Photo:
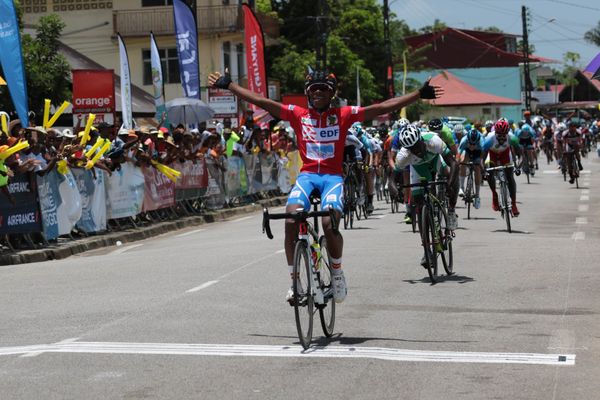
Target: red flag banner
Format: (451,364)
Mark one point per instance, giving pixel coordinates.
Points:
(255,56)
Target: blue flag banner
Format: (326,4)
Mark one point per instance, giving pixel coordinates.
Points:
(187,48)
(11,59)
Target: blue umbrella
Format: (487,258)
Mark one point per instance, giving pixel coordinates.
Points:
(188,111)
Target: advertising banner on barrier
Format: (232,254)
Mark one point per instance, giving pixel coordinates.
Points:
(193,175)
(93,200)
(235,177)
(215,195)
(159,191)
(49,202)
(125,192)
(94,92)
(23,216)
(69,210)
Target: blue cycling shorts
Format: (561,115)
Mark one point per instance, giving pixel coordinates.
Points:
(331,188)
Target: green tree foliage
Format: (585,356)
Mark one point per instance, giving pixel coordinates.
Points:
(571,60)
(436,27)
(491,29)
(593,35)
(355,39)
(46,71)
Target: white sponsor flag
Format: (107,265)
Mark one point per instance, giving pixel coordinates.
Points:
(357,87)
(126,112)
(157,78)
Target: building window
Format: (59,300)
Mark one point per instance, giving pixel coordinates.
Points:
(241,67)
(227,55)
(169,62)
(156,3)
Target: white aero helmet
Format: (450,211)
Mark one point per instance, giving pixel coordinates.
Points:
(409,135)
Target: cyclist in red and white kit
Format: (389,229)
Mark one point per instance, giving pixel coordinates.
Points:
(321,133)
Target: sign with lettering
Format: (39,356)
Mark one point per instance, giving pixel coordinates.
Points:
(19,212)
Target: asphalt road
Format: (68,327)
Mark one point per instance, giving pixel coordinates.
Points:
(200,313)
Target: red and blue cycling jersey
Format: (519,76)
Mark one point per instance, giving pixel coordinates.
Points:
(321,136)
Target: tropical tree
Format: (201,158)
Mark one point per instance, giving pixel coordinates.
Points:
(593,35)
(571,60)
(46,71)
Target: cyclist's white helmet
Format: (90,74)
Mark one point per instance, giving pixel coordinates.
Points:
(408,136)
(400,123)
(458,128)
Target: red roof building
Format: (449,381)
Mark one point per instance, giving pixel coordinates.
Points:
(462,48)
(458,92)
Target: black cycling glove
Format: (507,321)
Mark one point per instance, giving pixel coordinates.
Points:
(224,81)
(427,91)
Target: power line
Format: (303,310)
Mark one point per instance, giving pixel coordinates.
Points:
(574,4)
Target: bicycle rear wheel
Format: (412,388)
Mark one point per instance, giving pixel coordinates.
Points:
(445,235)
(428,238)
(303,299)
(327,310)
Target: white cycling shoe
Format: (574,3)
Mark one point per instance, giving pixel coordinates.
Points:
(339,286)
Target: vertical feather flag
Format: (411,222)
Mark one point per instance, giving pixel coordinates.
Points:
(187,48)
(11,59)
(126,109)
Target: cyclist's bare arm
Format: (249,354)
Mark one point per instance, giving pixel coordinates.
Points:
(396,103)
(392,159)
(272,107)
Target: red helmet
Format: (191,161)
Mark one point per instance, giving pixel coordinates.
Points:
(501,127)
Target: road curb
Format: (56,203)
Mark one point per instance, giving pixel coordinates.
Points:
(57,252)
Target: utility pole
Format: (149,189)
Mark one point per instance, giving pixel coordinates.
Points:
(527,78)
(322,35)
(389,82)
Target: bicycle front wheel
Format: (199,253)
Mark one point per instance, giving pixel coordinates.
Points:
(428,236)
(505,205)
(327,309)
(303,299)
(445,235)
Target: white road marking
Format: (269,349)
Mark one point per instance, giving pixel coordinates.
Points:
(550,171)
(190,232)
(583,207)
(585,171)
(37,353)
(585,191)
(581,220)
(584,198)
(578,236)
(203,286)
(232,350)
(280,251)
(124,249)
(242,219)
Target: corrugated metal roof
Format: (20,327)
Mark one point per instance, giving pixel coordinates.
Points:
(458,92)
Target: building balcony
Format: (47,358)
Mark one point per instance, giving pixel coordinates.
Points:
(211,19)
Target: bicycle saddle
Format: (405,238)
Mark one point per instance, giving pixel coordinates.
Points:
(315,197)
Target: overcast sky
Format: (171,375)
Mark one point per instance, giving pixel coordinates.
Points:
(551,39)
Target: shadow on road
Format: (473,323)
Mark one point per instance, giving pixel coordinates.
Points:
(480,219)
(441,279)
(513,231)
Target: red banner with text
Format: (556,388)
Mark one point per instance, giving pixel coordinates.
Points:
(93,92)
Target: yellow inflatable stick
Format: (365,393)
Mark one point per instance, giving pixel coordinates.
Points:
(169,172)
(100,153)
(15,149)
(88,127)
(46,113)
(61,167)
(95,147)
(4,118)
(57,114)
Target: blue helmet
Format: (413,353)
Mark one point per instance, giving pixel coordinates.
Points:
(474,136)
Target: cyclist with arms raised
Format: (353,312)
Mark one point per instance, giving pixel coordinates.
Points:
(321,132)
